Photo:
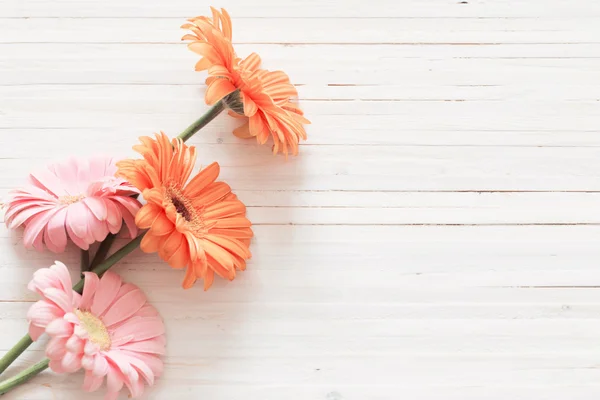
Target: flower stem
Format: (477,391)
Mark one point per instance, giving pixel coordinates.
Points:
(112,260)
(23,376)
(13,353)
(26,341)
(102,250)
(202,121)
(85,260)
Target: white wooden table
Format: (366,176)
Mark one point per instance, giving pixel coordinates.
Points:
(437,238)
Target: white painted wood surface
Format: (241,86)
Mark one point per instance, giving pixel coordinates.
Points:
(437,238)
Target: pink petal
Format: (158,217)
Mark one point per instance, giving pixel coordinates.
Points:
(56,348)
(49,244)
(153,361)
(59,328)
(79,242)
(87,362)
(68,178)
(131,205)
(100,366)
(141,328)
(13,207)
(36,227)
(126,288)
(72,318)
(98,229)
(92,383)
(97,207)
(49,181)
(90,348)
(76,300)
(38,242)
(56,229)
(56,366)
(105,294)
(89,289)
(152,346)
(143,369)
(147,311)
(71,362)
(75,344)
(77,219)
(135,386)
(114,218)
(114,379)
(28,213)
(124,307)
(63,275)
(119,361)
(42,313)
(60,298)
(129,221)
(98,168)
(36,331)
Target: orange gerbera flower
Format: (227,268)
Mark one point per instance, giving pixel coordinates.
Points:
(266,95)
(199,224)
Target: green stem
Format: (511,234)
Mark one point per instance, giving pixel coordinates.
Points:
(112,260)
(202,121)
(103,250)
(23,376)
(26,341)
(85,260)
(13,353)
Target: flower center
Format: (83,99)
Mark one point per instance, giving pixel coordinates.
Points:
(70,199)
(184,207)
(181,208)
(96,330)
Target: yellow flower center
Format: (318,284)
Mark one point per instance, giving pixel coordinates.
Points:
(70,199)
(96,330)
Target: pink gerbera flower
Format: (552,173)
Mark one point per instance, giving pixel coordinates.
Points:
(80,200)
(110,331)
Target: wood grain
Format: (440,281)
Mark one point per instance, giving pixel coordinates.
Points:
(437,237)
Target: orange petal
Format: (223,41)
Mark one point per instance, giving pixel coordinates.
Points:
(242,233)
(155,195)
(181,257)
(146,215)
(171,245)
(203,64)
(224,209)
(251,63)
(243,132)
(161,225)
(217,90)
(250,107)
(232,245)
(239,222)
(220,269)
(150,243)
(204,178)
(221,256)
(190,278)
(212,193)
(208,279)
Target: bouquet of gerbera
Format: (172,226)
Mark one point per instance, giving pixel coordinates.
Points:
(101,324)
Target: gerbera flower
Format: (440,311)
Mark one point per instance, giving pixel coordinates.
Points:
(79,200)
(110,331)
(265,94)
(198,224)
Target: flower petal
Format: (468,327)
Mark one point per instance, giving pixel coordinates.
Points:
(107,290)
(124,307)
